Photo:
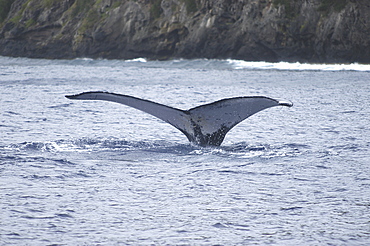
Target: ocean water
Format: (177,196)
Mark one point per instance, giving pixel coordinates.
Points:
(100,173)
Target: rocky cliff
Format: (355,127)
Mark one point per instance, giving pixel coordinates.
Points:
(270,30)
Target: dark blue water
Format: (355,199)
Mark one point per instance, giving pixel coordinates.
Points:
(99,173)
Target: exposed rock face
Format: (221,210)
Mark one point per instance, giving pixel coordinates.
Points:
(270,30)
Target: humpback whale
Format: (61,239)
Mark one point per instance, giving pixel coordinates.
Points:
(204,125)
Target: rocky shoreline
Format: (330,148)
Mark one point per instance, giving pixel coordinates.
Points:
(324,31)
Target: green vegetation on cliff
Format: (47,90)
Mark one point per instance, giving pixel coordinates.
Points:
(156,10)
(337,5)
(80,6)
(48,3)
(326,6)
(288,6)
(191,6)
(5,8)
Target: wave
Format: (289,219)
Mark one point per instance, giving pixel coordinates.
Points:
(137,60)
(241,150)
(240,64)
(187,64)
(89,145)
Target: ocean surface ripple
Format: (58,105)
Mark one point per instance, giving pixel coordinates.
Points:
(99,173)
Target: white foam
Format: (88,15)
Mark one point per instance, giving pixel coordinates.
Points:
(240,64)
(137,60)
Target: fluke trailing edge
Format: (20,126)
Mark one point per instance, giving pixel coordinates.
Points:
(205,125)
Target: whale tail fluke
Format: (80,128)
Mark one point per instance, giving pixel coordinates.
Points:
(205,125)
